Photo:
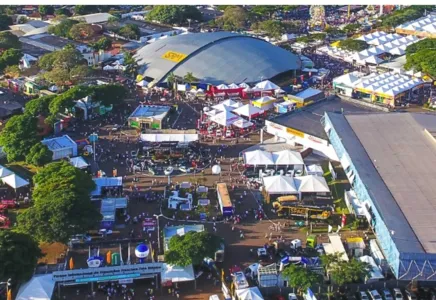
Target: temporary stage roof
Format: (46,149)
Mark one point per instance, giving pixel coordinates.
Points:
(252,293)
(79,162)
(266,85)
(279,185)
(38,288)
(258,157)
(15,181)
(177,274)
(248,110)
(312,184)
(161,137)
(287,157)
(225,118)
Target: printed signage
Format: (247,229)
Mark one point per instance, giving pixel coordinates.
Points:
(107,278)
(314,139)
(275,126)
(295,132)
(174,56)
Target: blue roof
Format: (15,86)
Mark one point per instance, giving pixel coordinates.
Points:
(146,111)
(59,143)
(216,57)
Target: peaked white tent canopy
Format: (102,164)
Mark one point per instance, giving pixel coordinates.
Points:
(252,293)
(79,162)
(222,87)
(228,102)
(248,111)
(38,288)
(142,83)
(266,85)
(279,185)
(312,184)
(244,85)
(225,118)
(241,123)
(233,86)
(258,157)
(222,107)
(15,181)
(287,157)
(5,172)
(177,274)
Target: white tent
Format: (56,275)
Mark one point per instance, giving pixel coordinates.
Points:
(314,170)
(177,274)
(222,87)
(79,162)
(15,181)
(258,157)
(142,83)
(266,85)
(287,157)
(375,272)
(241,123)
(228,102)
(108,68)
(252,293)
(248,111)
(5,172)
(312,184)
(181,138)
(373,60)
(279,185)
(225,118)
(38,288)
(244,85)
(222,107)
(233,86)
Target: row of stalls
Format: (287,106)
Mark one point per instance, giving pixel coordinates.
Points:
(387,88)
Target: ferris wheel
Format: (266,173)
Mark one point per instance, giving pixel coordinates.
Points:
(317,16)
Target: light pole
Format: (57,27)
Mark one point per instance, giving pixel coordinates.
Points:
(158,230)
(93,138)
(261,91)
(189,22)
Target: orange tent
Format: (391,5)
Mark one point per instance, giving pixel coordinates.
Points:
(9,295)
(71,263)
(109,257)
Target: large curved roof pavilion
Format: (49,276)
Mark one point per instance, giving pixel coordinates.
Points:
(215,57)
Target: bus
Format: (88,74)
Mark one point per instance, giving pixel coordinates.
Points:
(224,200)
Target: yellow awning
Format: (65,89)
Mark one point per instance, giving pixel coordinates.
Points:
(335,44)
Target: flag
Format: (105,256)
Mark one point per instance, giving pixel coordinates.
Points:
(344,220)
(330,229)
(222,275)
(9,295)
(109,257)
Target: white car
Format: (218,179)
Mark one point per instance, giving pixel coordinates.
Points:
(292,296)
(387,295)
(185,169)
(363,296)
(375,295)
(261,252)
(168,171)
(397,294)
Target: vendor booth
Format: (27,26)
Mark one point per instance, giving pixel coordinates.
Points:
(264,103)
(258,158)
(278,185)
(107,187)
(248,111)
(252,293)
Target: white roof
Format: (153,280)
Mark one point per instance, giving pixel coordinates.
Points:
(233,86)
(312,184)
(94,18)
(15,181)
(287,157)
(222,87)
(244,85)
(228,102)
(279,185)
(347,79)
(225,118)
(308,93)
(177,274)
(5,172)
(373,60)
(160,137)
(375,273)
(252,293)
(266,85)
(423,24)
(258,157)
(142,83)
(40,287)
(79,162)
(222,107)
(241,123)
(314,169)
(247,110)
(264,99)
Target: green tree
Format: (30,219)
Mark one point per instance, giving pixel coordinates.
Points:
(113,21)
(190,78)
(62,205)
(12,71)
(172,80)
(234,18)
(130,31)
(191,248)
(63,28)
(66,100)
(18,136)
(5,22)
(273,28)
(109,94)
(9,40)
(343,272)
(102,44)
(334,31)
(81,31)
(85,9)
(39,106)
(264,10)
(11,57)
(301,278)
(422,61)
(45,10)
(39,155)
(23,20)
(130,63)
(174,14)
(19,254)
(63,12)
(353,45)
(351,28)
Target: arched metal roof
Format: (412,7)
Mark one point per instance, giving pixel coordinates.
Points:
(216,57)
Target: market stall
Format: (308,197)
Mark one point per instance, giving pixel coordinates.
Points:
(264,103)
(258,158)
(248,111)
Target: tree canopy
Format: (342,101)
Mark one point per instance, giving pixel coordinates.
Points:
(18,136)
(273,28)
(103,43)
(109,94)
(234,18)
(401,16)
(421,57)
(39,155)
(301,278)
(39,106)
(9,40)
(174,14)
(81,31)
(5,22)
(130,31)
(45,10)
(63,28)
(343,272)
(353,45)
(62,205)
(85,9)
(312,38)
(191,248)
(19,254)
(10,57)
(62,12)
(351,28)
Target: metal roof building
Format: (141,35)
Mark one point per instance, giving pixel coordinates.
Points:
(389,159)
(215,57)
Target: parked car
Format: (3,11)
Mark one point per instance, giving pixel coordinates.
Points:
(374,295)
(363,295)
(410,295)
(386,294)
(80,238)
(185,169)
(292,296)
(168,170)
(397,294)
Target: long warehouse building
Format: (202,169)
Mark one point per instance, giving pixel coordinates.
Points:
(390,160)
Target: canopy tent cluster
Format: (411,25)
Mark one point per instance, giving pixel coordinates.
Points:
(295,185)
(425,24)
(10,178)
(265,158)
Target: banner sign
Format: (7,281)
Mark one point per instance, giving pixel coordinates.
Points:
(174,56)
(295,132)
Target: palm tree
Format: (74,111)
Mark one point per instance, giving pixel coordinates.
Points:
(172,80)
(190,78)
